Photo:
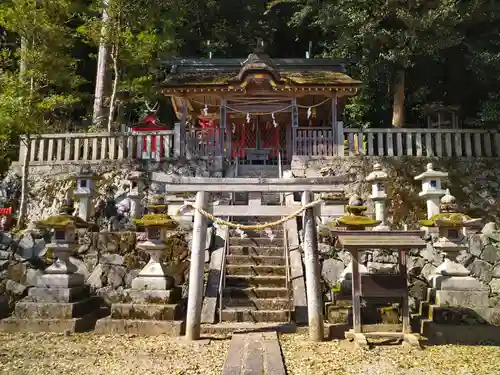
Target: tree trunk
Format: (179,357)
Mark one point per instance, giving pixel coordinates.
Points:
(22,62)
(23,206)
(114,57)
(102,60)
(398,105)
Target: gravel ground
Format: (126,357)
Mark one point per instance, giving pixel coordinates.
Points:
(303,357)
(90,354)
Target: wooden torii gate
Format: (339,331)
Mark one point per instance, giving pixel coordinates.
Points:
(255,187)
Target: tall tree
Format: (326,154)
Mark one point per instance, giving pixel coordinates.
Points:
(135,33)
(389,32)
(39,100)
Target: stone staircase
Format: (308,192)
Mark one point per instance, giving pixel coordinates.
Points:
(256,288)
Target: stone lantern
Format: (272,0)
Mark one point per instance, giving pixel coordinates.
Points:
(60,301)
(451,278)
(85,191)
(154,276)
(136,193)
(431,189)
(354,220)
(378,178)
(62,272)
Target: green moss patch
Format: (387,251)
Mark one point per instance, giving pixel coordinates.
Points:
(354,221)
(62,221)
(445,220)
(162,220)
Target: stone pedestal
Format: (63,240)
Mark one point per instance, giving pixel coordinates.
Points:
(152,306)
(59,303)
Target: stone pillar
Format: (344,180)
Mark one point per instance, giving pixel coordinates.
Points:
(196,271)
(313,283)
(378,178)
(85,191)
(136,193)
(431,189)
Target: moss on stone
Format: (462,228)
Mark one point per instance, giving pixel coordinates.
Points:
(354,221)
(445,220)
(159,220)
(62,221)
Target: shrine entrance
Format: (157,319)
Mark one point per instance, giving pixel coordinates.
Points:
(258,140)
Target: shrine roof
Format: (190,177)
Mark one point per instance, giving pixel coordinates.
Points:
(229,73)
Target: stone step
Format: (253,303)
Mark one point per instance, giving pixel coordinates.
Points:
(235,292)
(255,270)
(108,326)
(258,260)
(244,314)
(146,311)
(258,303)
(253,250)
(256,281)
(229,328)
(277,233)
(256,242)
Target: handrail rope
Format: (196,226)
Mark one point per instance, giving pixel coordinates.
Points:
(233,225)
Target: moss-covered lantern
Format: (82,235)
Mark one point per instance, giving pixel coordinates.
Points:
(355,218)
(450,224)
(156,222)
(63,243)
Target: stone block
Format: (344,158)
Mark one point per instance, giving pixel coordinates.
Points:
(338,315)
(53,310)
(153,296)
(460,334)
(60,280)
(80,324)
(58,294)
(463,298)
(458,283)
(144,311)
(139,327)
(152,283)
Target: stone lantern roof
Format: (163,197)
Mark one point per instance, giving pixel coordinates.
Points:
(64,218)
(431,173)
(378,174)
(449,215)
(355,218)
(158,217)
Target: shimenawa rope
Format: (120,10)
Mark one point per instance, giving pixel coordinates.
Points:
(230,224)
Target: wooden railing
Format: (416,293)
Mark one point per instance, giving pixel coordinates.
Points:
(311,141)
(397,142)
(95,147)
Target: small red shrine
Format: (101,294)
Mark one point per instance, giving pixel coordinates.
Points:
(153,146)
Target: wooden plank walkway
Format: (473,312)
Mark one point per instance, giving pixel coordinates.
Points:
(254,354)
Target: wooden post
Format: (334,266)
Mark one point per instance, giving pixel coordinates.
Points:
(196,270)
(313,284)
(334,117)
(185,151)
(177,141)
(295,125)
(356,292)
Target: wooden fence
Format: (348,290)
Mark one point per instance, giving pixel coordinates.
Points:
(310,141)
(397,142)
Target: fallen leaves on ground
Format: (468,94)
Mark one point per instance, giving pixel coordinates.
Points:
(91,354)
(303,357)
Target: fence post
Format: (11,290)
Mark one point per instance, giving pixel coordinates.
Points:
(177,140)
(196,270)
(23,147)
(313,284)
(339,138)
